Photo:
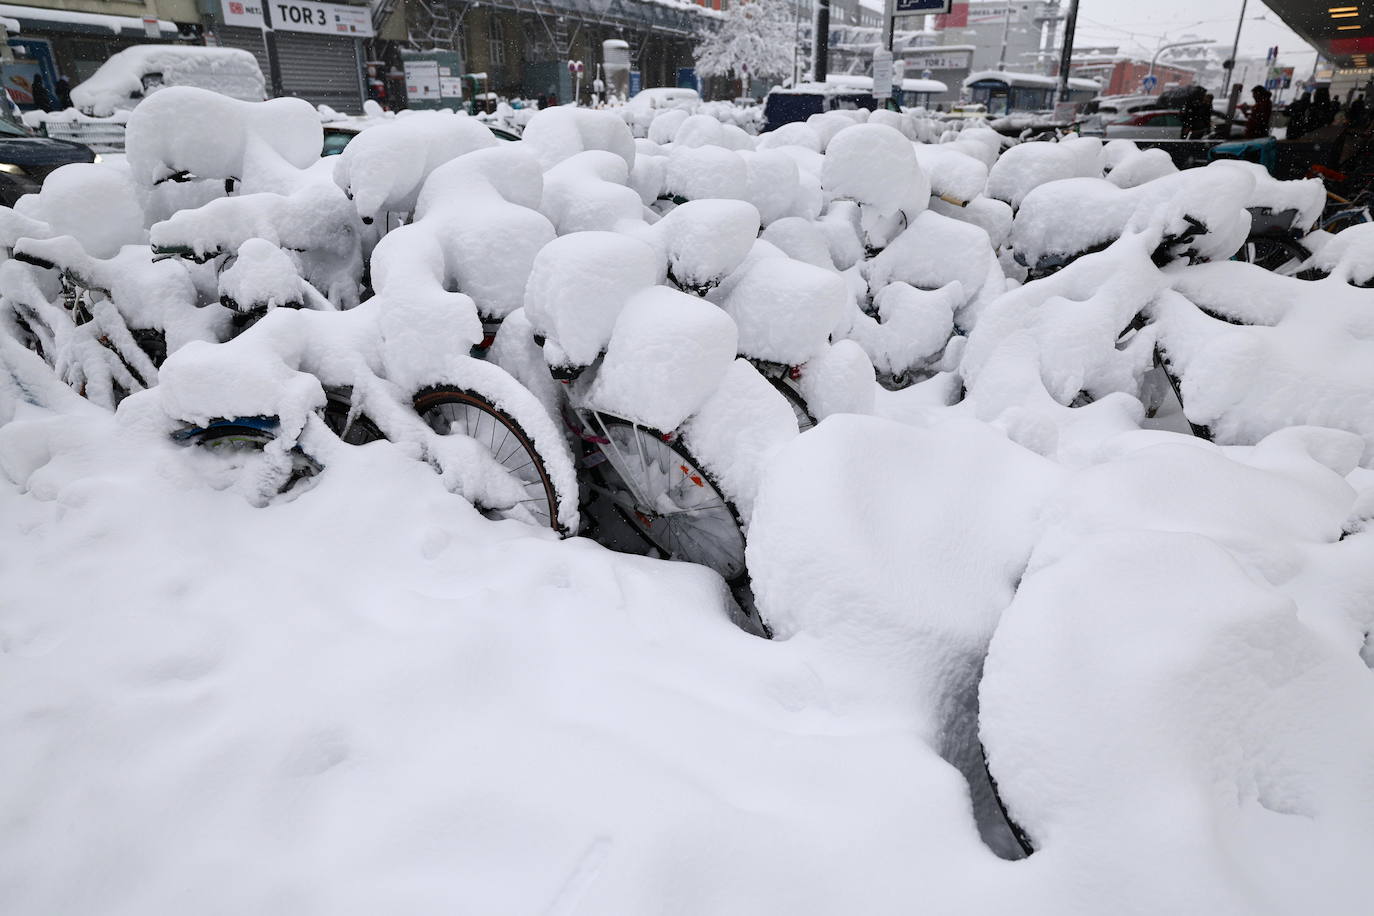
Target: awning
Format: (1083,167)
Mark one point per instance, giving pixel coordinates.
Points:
(39,19)
(1341,30)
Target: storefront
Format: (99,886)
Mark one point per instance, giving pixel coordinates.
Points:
(319,47)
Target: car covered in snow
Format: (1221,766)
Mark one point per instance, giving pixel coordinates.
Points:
(131,75)
(665,97)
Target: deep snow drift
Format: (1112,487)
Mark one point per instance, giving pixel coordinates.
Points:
(945,390)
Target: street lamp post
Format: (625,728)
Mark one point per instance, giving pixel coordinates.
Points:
(1176,44)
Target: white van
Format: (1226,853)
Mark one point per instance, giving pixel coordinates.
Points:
(130,75)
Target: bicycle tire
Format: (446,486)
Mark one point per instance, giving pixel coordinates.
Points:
(1277,255)
(704,526)
(442,407)
(360,431)
(250,438)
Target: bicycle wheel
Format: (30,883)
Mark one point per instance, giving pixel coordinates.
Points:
(337,410)
(232,442)
(448,410)
(1278,255)
(670,501)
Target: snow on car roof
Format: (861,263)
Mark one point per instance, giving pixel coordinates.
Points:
(1027,79)
(118,84)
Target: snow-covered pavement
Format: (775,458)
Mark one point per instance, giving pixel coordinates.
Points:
(943,389)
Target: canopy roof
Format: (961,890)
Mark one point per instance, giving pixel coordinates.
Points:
(1340,37)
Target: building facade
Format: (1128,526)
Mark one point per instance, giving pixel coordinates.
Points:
(523,46)
(320,46)
(1124,75)
(1018,35)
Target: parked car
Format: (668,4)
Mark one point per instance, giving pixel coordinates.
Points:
(130,75)
(1149,124)
(783,106)
(338,134)
(26,159)
(664,97)
(1100,112)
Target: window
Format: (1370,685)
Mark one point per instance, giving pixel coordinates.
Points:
(496,41)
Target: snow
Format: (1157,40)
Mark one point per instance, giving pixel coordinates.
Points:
(876,166)
(212,136)
(706,239)
(578,286)
(97,206)
(118,83)
(784,309)
(699,173)
(668,353)
(262,275)
(999,538)
(1300,358)
(480,210)
(554,134)
(380,167)
(1348,255)
(1023,168)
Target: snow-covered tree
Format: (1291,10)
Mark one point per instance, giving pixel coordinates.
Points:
(754,38)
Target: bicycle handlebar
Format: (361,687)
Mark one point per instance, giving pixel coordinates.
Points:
(34,259)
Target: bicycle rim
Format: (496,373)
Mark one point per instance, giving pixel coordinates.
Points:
(450,411)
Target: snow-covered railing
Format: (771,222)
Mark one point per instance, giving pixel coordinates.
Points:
(104,135)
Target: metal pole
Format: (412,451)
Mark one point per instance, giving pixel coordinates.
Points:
(1235,49)
(269,38)
(1066,52)
(820,61)
(1177,44)
(889,22)
(1006,27)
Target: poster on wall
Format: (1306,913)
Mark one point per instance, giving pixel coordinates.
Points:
(423,80)
(32,57)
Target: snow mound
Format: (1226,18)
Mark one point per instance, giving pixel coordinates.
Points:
(704,240)
(384,167)
(1023,168)
(1348,256)
(119,82)
(704,172)
(1200,687)
(97,206)
(578,286)
(785,310)
(182,129)
(668,353)
(876,166)
(554,134)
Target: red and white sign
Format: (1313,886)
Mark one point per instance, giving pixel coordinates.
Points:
(301,16)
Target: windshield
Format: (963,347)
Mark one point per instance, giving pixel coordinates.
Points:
(9,127)
(786,107)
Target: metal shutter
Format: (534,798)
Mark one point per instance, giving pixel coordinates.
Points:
(318,68)
(246,40)
(321,69)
